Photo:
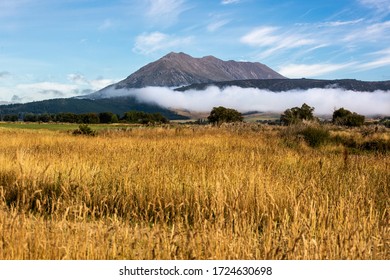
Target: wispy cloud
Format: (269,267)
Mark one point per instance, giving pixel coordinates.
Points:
(269,37)
(94,84)
(106,25)
(214,26)
(48,86)
(77,85)
(383,59)
(165,12)
(227,2)
(148,43)
(380,6)
(339,23)
(311,70)
(372,32)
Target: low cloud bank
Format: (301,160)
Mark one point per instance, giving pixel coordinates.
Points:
(325,101)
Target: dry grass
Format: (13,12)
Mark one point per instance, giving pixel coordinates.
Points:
(189,193)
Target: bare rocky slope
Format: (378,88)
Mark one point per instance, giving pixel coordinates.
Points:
(179,69)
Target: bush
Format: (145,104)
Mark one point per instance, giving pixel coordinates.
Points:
(385,121)
(296,115)
(221,115)
(315,136)
(84,129)
(376,145)
(347,118)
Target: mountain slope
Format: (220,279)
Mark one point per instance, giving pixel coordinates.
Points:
(178,69)
(117,105)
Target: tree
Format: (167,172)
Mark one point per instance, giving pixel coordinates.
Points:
(347,118)
(221,114)
(144,118)
(30,118)
(296,115)
(107,117)
(89,118)
(11,118)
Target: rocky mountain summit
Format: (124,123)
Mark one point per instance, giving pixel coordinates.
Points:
(180,69)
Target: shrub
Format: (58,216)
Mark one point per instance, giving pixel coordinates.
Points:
(219,115)
(385,121)
(376,145)
(84,129)
(315,136)
(347,118)
(296,115)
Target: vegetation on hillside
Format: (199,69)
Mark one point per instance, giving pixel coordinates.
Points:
(117,106)
(92,118)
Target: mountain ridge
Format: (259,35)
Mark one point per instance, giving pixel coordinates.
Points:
(180,69)
(280,85)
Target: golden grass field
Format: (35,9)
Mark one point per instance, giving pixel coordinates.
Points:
(189,193)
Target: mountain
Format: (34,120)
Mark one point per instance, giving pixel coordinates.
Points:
(278,85)
(179,69)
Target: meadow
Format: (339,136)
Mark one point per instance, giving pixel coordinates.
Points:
(192,192)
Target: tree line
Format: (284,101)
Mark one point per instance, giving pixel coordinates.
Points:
(290,116)
(218,115)
(89,118)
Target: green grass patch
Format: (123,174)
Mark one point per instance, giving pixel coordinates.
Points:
(59,126)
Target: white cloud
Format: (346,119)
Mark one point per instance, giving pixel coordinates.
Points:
(78,85)
(165,12)
(381,6)
(311,70)
(100,83)
(48,86)
(227,2)
(373,33)
(339,23)
(77,79)
(382,60)
(267,36)
(106,25)
(214,26)
(148,43)
(250,99)
(95,84)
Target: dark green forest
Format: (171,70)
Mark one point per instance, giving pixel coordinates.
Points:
(117,106)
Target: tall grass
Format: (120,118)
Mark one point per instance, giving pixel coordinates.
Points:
(189,193)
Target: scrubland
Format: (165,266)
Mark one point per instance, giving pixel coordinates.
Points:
(196,192)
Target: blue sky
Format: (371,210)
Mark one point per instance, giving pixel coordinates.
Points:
(63,48)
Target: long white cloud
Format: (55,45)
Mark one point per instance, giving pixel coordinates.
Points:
(250,99)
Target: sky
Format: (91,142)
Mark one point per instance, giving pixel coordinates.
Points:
(63,48)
